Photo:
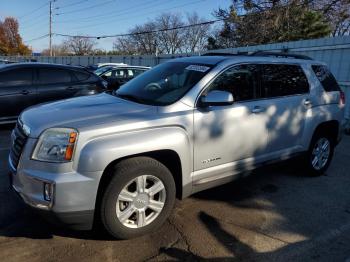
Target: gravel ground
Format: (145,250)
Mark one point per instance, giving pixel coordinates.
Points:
(276,214)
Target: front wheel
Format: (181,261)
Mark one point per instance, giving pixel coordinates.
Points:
(138,199)
(320,154)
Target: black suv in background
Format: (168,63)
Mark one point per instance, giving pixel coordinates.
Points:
(26,84)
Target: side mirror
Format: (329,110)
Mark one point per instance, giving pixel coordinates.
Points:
(216,98)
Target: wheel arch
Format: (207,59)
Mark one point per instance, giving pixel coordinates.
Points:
(167,157)
(330,127)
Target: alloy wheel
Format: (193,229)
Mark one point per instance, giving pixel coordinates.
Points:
(141,201)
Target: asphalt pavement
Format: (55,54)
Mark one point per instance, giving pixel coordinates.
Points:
(276,214)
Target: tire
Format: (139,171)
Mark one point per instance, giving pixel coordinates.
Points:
(314,167)
(139,198)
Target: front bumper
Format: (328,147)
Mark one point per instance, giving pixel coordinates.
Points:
(73,198)
(79,220)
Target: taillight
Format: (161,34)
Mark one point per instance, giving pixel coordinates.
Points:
(342,98)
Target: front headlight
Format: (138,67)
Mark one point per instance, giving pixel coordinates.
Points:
(56,145)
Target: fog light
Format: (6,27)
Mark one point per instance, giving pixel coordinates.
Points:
(48,191)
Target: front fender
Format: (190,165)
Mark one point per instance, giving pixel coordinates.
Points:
(98,153)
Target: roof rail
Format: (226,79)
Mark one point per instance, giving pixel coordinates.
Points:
(218,54)
(224,54)
(280,54)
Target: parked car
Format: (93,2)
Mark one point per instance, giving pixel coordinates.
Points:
(92,68)
(99,71)
(184,126)
(119,75)
(26,84)
(5,61)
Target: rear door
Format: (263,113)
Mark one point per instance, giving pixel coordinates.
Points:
(54,84)
(16,92)
(285,89)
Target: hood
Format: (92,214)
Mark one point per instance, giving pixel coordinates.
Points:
(82,112)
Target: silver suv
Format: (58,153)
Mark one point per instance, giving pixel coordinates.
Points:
(182,127)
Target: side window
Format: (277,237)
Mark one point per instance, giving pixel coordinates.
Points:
(240,80)
(326,78)
(108,74)
(119,73)
(135,72)
(16,77)
(131,72)
(283,80)
(54,76)
(81,76)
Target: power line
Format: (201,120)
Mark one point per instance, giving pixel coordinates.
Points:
(113,13)
(144,32)
(156,11)
(86,8)
(35,18)
(31,25)
(33,11)
(37,38)
(72,4)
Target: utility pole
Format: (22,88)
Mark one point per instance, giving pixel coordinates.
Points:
(50,29)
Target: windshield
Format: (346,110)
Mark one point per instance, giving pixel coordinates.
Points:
(164,84)
(102,70)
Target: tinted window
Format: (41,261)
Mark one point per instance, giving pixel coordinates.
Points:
(239,80)
(135,72)
(53,76)
(118,73)
(326,78)
(16,77)
(283,80)
(81,76)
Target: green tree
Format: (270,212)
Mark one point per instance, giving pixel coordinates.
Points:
(249,22)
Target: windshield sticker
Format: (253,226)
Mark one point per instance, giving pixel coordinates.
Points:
(198,68)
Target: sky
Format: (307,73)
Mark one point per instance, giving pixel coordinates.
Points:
(95,17)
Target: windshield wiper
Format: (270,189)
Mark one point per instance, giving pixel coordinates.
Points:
(130,97)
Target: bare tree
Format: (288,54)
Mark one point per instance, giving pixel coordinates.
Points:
(195,38)
(170,40)
(146,43)
(57,50)
(79,45)
(165,35)
(337,13)
(125,46)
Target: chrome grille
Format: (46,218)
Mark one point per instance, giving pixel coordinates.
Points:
(19,139)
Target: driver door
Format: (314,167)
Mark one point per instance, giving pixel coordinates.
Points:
(231,138)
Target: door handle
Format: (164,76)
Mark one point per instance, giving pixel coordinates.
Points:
(307,102)
(258,109)
(25,92)
(70,88)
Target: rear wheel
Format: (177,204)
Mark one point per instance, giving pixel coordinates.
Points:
(320,153)
(138,199)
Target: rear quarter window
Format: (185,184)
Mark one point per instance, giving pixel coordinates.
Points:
(328,81)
